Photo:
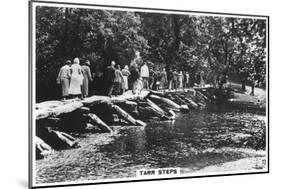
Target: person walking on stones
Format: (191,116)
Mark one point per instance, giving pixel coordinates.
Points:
(144,73)
(157,79)
(126,73)
(202,80)
(224,80)
(218,81)
(175,79)
(170,78)
(87,77)
(186,79)
(76,78)
(138,86)
(164,79)
(63,79)
(180,79)
(134,76)
(110,77)
(151,77)
(118,81)
(98,87)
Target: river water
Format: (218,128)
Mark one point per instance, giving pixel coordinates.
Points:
(193,141)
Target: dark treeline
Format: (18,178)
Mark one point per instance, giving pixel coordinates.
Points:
(193,43)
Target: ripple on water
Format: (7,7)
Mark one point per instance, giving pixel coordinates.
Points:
(193,141)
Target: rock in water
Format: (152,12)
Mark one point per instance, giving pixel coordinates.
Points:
(42,148)
(184,108)
(57,140)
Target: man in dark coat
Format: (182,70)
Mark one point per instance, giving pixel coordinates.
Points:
(110,76)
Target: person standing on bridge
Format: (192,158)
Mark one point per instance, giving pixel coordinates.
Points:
(110,77)
(76,78)
(180,80)
(126,73)
(118,81)
(186,79)
(175,79)
(170,78)
(144,73)
(87,76)
(134,76)
(63,79)
(202,79)
(164,79)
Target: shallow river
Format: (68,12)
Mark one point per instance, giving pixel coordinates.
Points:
(193,141)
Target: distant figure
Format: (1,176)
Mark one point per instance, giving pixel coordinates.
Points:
(126,73)
(134,75)
(224,80)
(253,84)
(110,77)
(76,78)
(186,79)
(175,79)
(157,78)
(151,78)
(87,76)
(98,85)
(164,79)
(118,81)
(170,79)
(138,86)
(144,73)
(180,80)
(63,79)
(202,81)
(218,81)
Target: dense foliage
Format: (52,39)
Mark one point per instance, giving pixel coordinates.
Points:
(194,43)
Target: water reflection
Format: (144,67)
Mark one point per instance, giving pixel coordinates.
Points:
(192,141)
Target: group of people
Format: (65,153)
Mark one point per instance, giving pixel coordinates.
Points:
(178,79)
(76,79)
(221,81)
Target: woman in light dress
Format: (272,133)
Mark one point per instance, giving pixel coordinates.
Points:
(126,73)
(76,78)
(202,79)
(63,79)
(180,77)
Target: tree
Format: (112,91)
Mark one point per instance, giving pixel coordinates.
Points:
(250,60)
(212,44)
(97,35)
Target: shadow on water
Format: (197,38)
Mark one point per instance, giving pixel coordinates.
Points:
(214,135)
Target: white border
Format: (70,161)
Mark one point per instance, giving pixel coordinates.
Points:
(149,10)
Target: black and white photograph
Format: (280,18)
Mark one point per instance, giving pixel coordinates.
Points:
(121,94)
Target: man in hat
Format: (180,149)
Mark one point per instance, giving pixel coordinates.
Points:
(86,78)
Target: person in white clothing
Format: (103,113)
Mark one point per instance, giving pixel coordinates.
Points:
(76,78)
(144,73)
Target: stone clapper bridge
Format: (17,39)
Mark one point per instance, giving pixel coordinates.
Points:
(55,119)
